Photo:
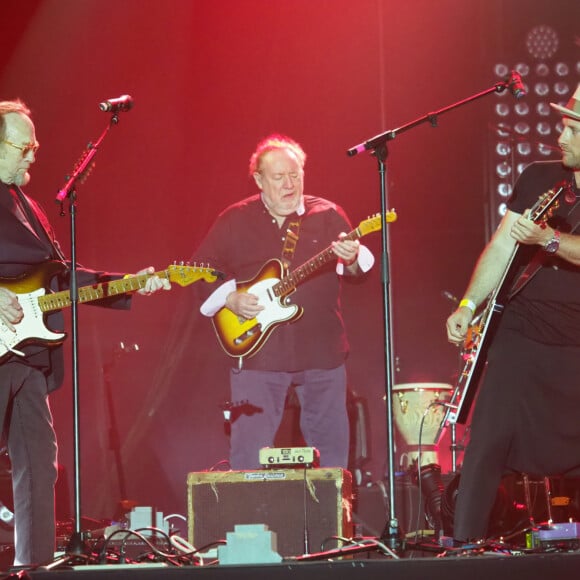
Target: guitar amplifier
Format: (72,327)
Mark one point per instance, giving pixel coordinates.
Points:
(304,507)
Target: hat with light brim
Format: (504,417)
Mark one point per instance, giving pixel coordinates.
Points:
(572,108)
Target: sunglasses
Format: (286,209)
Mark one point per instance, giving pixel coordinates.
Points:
(26,149)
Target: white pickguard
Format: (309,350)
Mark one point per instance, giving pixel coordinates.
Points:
(30,327)
(274,311)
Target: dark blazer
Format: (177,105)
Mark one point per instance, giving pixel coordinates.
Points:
(25,251)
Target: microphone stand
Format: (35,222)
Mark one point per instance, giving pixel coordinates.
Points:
(377,145)
(76,546)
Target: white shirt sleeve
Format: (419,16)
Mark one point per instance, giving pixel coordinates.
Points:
(217,298)
(365,261)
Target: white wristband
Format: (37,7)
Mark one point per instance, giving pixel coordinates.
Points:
(468,304)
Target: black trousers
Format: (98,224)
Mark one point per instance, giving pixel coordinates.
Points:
(525,419)
(31,440)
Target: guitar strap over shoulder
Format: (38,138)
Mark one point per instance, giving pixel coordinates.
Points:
(290,241)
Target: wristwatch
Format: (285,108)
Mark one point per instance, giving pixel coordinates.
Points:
(552,245)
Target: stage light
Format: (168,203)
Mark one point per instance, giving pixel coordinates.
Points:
(544,149)
(542,41)
(504,189)
(543,109)
(503,169)
(501,70)
(526,130)
(561,89)
(503,148)
(521,167)
(542,89)
(522,68)
(522,128)
(502,109)
(543,129)
(522,109)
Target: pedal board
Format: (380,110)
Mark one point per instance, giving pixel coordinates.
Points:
(549,536)
(289,456)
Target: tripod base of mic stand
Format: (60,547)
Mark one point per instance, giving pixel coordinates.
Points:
(77,545)
(392,537)
(77,554)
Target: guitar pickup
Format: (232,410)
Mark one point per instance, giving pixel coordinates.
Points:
(257,329)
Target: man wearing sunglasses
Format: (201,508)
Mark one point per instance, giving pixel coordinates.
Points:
(28,373)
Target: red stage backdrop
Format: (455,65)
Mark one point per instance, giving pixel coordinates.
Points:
(209,79)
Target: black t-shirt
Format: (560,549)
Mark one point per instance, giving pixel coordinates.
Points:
(547,309)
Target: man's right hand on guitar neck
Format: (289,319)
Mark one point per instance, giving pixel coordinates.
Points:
(244,304)
(10,309)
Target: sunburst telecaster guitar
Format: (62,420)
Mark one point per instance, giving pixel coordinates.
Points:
(35,302)
(241,337)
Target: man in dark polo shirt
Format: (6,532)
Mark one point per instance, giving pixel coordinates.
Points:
(309,353)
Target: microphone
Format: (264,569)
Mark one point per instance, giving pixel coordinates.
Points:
(516,86)
(118,105)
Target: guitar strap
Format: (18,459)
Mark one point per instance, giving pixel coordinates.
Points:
(288,249)
(540,258)
(290,241)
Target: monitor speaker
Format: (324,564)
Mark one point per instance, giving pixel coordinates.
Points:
(306,508)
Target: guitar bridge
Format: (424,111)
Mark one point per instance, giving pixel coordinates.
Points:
(251,332)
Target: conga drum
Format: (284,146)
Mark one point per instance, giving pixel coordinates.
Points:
(413,404)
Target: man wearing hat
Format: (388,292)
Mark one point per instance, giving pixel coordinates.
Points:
(526,416)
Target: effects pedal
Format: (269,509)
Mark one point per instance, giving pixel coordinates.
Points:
(551,536)
(289,457)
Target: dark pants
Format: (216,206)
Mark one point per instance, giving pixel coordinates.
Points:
(27,425)
(525,420)
(323,415)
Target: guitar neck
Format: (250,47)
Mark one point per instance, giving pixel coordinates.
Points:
(59,300)
(502,289)
(288,283)
(475,355)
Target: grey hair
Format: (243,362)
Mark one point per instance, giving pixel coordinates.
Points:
(16,106)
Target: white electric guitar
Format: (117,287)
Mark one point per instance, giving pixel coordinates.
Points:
(35,302)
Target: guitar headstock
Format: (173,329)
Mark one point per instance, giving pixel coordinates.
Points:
(548,203)
(375,223)
(185,274)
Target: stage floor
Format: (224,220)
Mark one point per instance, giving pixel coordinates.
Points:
(482,566)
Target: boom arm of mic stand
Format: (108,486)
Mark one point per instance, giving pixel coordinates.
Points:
(84,164)
(378,144)
(377,140)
